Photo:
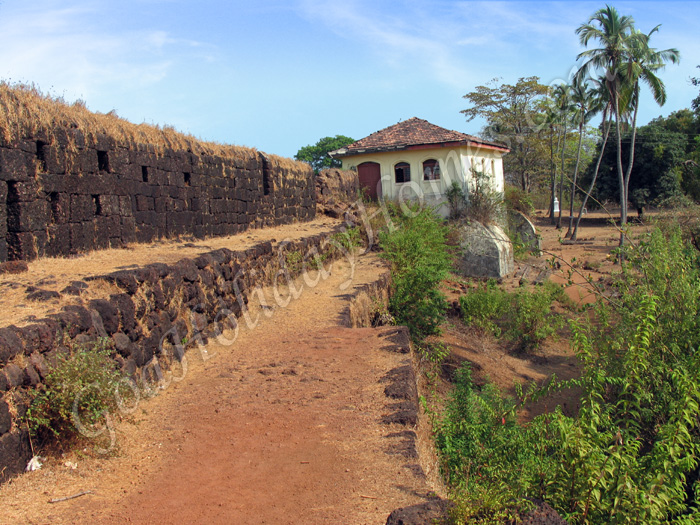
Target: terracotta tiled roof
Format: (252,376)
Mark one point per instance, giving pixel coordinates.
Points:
(410,133)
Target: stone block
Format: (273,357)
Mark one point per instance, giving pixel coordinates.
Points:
(29,216)
(58,243)
(15,452)
(484,251)
(82,208)
(109,205)
(53,159)
(524,230)
(81,236)
(21,246)
(16,165)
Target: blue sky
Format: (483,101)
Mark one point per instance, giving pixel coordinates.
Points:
(280,75)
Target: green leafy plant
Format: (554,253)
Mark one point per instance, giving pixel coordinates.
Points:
(484,203)
(456,200)
(293,261)
(632,453)
(80,387)
(479,442)
(419,260)
(523,316)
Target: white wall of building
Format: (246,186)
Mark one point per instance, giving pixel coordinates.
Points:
(456,164)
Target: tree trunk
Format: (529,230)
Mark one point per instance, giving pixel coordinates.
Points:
(573,182)
(553,171)
(620,175)
(561,181)
(634,138)
(595,175)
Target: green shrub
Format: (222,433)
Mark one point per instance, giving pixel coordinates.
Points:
(632,453)
(78,390)
(523,316)
(348,239)
(491,462)
(485,308)
(293,261)
(419,260)
(456,200)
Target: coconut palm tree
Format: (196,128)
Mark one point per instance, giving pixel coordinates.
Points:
(586,104)
(613,32)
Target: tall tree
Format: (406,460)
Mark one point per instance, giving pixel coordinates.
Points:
(513,116)
(657,174)
(563,105)
(627,60)
(612,31)
(586,103)
(601,95)
(317,154)
(641,65)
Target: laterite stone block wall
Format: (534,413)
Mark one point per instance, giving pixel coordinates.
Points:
(61,194)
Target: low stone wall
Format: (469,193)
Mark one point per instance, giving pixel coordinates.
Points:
(153,310)
(368,303)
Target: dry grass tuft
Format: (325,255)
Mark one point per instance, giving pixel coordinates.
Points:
(27,113)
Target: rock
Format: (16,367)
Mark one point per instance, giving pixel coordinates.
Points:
(402,384)
(420,514)
(543,515)
(5,417)
(75,288)
(486,251)
(41,295)
(14,267)
(14,453)
(37,360)
(31,376)
(122,343)
(521,226)
(109,314)
(15,375)
(10,344)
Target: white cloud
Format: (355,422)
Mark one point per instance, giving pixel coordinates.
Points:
(423,43)
(71,51)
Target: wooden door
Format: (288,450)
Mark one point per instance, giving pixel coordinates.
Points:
(370,177)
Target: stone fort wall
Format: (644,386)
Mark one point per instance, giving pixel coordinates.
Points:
(64,191)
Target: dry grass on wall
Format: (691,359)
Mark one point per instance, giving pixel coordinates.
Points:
(27,113)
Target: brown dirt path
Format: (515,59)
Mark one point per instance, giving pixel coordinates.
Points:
(282,426)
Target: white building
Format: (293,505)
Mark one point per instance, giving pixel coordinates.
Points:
(415,159)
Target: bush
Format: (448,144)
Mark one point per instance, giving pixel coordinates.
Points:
(419,261)
(481,203)
(518,200)
(491,462)
(523,316)
(484,204)
(78,390)
(632,454)
(456,201)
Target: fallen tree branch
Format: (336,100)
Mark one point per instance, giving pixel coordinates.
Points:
(83,493)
